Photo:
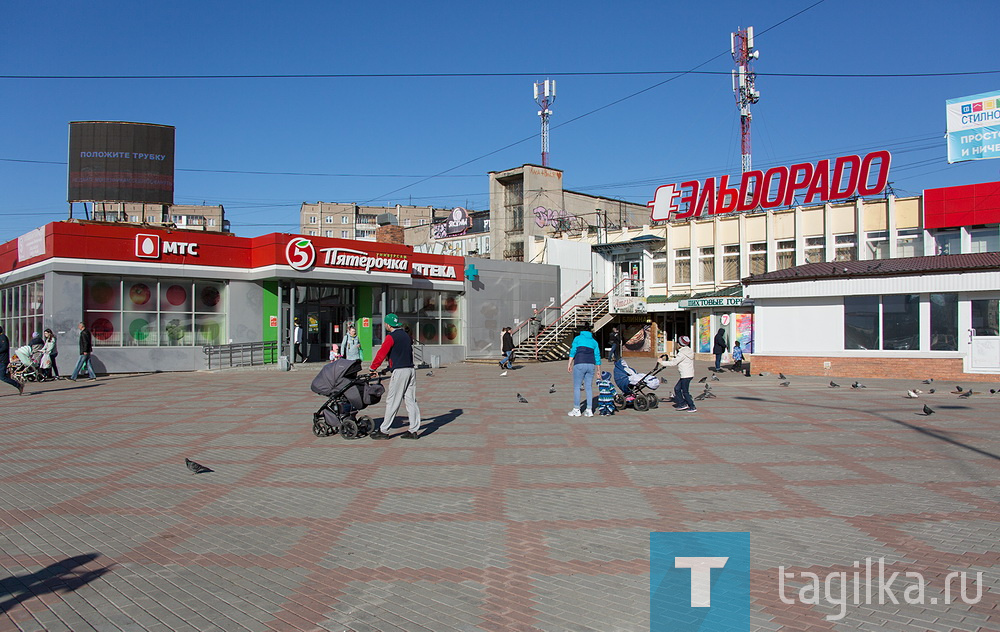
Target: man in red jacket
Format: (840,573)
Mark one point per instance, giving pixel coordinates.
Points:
(398,348)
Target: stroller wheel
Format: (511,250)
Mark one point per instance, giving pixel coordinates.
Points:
(641,403)
(619,401)
(348,428)
(319,429)
(365,425)
(652,401)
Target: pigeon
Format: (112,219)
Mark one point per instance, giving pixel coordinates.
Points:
(521,399)
(784,384)
(703,380)
(918,391)
(197,468)
(928,410)
(928,381)
(958,389)
(911,395)
(858,385)
(930,390)
(430,374)
(781,376)
(760,375)
(708,394)
(965,395)
(700,397)
(715,378)
(552,389)
(834,384)
(992,391)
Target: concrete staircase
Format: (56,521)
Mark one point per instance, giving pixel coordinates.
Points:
(555,340)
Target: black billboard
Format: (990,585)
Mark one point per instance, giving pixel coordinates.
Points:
(114,161)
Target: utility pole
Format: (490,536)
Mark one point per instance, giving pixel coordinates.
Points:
(744,53)
(545,95)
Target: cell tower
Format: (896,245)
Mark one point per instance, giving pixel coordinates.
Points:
(545,95)
(741,45)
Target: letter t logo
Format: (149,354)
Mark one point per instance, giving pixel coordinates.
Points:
(701,577)
(663,202)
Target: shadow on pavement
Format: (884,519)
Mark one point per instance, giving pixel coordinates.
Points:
(439,421)
(57,577)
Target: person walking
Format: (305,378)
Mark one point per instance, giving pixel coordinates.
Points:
(86,349)
(534,326)
(398,348)
(684,361)
(616,345)
(297,340)
(351,345)
(5,358)
(507,348)
(584,357)
(720,347)
(49,353)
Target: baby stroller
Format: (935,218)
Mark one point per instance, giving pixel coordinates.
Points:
(26,365)
(633,386)
(346,395)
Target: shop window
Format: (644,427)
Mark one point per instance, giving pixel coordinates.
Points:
(901,322)
(706,265)
(948,242)
(22,312)
(682,266)
(758,257)
(984,240)
(659,272)
(138,312)
(731,262)
(815,249)
(433,318)
(846,248)
(861,330)
(910,242)
(944,322)
(985,317)
(877,243)
(784,254)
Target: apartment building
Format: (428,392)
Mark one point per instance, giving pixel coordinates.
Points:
(352,221)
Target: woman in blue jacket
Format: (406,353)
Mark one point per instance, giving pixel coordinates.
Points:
(584,356)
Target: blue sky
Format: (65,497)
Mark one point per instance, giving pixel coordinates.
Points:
(375,130)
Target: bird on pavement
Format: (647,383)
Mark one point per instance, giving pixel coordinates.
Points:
(552,389)
(521,399)
(965,395)
(911,395)
(784,384)
(701,397)
(834,384)
(858,385)
(430,374)
(958,389)
(992,391)
(703,380)
(928,410)
(715,378)
(197,468)
(781,376)
(931,390)
(928,381)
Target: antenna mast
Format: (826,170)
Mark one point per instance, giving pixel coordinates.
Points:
(545,95)
(741,46)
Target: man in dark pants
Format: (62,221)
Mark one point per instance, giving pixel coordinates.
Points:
(300,348)
(616,345)
(507,348)
(398,347)
(86,348)
(5,358)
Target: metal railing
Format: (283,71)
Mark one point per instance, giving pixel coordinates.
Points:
(241,354)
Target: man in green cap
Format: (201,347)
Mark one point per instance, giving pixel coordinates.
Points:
(398,348)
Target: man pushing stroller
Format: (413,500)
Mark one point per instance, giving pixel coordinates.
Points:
(398,348)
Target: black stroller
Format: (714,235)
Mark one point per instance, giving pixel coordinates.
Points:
(346,395)
(633,391)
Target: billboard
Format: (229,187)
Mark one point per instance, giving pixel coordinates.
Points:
(974,127)
(114,161)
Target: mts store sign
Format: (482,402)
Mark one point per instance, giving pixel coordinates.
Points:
(824,181)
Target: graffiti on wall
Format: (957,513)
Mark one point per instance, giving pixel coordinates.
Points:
(558,219)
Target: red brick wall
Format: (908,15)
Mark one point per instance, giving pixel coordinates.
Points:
(892,368)
(389,234)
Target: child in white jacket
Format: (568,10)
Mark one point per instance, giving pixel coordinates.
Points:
(684,361)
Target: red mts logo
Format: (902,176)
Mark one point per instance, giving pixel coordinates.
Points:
(300,254)
(774,188)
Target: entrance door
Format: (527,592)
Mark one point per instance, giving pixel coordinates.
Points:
(630,274)
(985,335)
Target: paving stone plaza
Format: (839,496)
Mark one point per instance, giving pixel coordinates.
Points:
(503,516)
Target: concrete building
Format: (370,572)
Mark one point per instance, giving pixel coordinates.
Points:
(186,216)
(351,221)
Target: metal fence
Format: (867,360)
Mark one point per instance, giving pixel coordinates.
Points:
(242,354)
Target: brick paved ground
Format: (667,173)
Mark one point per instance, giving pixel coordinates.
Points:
(505,516)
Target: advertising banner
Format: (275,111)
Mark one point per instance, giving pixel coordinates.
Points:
(111,161)
(974,127)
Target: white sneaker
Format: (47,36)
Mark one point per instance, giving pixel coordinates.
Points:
(575,412)
(503,374)
(588,413)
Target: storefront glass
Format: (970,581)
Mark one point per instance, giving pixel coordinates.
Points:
(145,312)
(944,322)
(433,317)
(22,311)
